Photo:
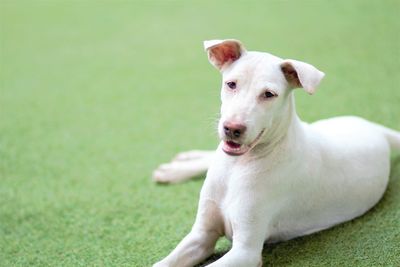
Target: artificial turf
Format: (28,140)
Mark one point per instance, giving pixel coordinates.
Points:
(95,94)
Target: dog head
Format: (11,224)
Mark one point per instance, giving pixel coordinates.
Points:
(255,92)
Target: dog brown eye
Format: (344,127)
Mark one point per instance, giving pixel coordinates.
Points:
(231,85)
(269,94)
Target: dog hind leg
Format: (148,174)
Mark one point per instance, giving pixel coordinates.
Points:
(184,166)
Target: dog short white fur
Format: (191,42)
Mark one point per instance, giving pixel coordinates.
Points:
(274,177)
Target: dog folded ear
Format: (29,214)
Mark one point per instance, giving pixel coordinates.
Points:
(221,53)
(300,74)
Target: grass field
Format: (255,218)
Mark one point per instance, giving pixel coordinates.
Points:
(95,94)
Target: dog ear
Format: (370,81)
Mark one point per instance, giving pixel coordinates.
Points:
(300,74)
(221,53)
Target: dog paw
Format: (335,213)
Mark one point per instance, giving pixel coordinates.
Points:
(173,172)
(164,173)
(159,264)
(183,167)
(190,155)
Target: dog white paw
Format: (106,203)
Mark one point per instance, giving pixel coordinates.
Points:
(159,264)
(171,172)
(164,173)
(183,167)
(190,155)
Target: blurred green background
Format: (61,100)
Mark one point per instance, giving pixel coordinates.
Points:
(96,94)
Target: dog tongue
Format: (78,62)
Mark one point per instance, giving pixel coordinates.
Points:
(233,144)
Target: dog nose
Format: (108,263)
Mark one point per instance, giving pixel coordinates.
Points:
(234,130)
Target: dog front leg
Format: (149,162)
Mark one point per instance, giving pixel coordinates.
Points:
(247,245)
(200,242)
(194,248)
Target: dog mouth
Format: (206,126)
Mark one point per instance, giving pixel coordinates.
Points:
(233,148)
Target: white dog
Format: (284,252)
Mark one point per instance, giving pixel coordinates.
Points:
(274,177)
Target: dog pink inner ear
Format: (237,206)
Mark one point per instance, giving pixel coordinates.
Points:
(301,74)
(225,53)
(291,75)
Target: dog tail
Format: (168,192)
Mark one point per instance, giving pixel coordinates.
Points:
(392,136)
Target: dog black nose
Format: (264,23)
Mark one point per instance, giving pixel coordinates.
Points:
(234,130)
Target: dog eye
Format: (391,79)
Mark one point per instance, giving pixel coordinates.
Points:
(231,85)
(269,95)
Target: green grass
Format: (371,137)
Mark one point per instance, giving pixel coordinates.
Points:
(95,94)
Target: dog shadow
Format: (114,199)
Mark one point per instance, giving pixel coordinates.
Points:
(306,249)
